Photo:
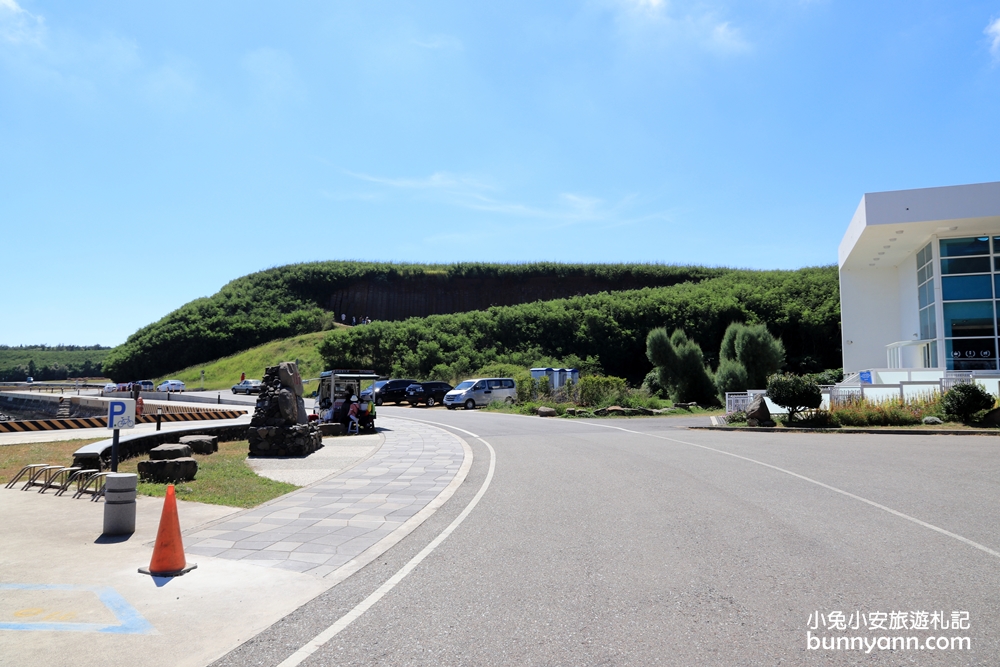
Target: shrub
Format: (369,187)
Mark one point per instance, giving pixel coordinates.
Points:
(794,393)
(598,390)
(887,412)
(738,417)
(965,400)
(827,377)
(730,376)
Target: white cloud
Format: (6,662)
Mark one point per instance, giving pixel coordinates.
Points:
(664,24)
(473,194)
(993,32)
(19,26)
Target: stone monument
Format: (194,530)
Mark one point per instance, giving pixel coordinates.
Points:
(280,425)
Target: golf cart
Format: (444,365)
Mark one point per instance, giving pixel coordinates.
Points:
(333,398)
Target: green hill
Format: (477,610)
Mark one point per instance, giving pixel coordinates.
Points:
(224,373)
(607,330)
(304,298)
(43,362)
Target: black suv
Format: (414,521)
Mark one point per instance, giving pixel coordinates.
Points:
(393,390)
(430,393)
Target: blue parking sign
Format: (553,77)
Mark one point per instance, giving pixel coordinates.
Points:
(121,413)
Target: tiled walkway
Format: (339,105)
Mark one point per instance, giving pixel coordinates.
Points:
(319,528)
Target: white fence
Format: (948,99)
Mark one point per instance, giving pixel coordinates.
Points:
(840,394)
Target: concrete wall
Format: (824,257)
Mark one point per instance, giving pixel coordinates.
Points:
(870,316)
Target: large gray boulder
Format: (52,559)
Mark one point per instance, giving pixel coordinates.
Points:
(544,411)
(288,405)
(169,470)
(758,410)
(168,452)
(201,444)
(288,373)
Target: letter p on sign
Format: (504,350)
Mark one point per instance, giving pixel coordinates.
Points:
(121,413)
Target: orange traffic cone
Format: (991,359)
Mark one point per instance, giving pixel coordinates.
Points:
(168,553)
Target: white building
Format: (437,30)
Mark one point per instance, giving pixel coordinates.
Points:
(920,284)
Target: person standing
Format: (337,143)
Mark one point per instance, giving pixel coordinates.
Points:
(243,376)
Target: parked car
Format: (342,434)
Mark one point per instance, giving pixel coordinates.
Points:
(170,385)
(368,392)
(430,393)
(29,379)
(393,390)
(111,386)
(144,385)
(247,387)
(480,392)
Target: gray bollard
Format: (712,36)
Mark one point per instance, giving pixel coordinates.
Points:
(119,503)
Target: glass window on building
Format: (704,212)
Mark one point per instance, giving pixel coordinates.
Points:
(978,245)
(925,291)
(970,281)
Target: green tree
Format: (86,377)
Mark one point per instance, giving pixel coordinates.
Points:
(680,367)
(755,349)
(794,393)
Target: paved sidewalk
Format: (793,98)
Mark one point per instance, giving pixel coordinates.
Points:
(322,527)
(338,453)
(54,567)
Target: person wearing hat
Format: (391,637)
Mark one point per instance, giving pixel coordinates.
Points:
(354,411)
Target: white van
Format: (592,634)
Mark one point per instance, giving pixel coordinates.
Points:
(480,392)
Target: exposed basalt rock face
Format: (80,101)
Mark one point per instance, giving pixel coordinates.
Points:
(280,425)
(382,299)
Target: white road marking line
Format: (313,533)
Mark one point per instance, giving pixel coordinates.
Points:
(915,520)
(316,642)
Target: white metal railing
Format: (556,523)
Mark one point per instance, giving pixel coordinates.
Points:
(894,353)
(951,378)
(740,400)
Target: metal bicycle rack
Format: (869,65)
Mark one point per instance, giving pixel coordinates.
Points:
(94,480)
(56,479)
(29,470)
(88,481)
(80,477)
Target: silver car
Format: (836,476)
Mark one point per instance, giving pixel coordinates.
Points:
(481,391)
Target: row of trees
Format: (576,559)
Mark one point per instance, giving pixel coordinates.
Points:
(53,372)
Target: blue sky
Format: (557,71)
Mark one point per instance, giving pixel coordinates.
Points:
(151,153)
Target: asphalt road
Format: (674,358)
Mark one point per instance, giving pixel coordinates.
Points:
(635,542)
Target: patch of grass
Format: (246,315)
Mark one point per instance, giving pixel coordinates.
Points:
(60,452)
(224,373)
(224,478)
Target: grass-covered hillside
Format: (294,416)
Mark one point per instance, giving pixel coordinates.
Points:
(608,330)
(302,298)
(224,373)
(43,362)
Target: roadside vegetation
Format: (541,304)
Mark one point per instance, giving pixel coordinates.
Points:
(964,404)
(224,373)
